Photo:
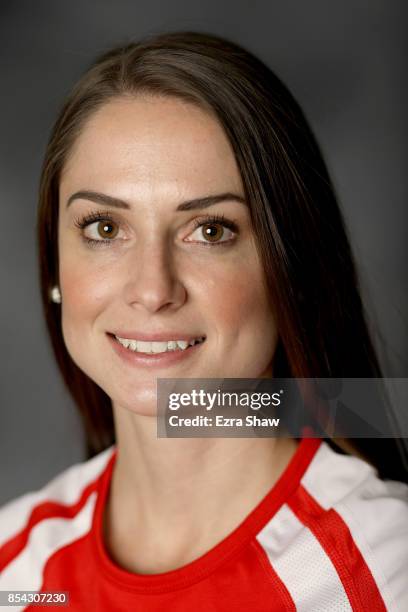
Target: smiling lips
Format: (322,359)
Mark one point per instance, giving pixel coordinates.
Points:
(155,347)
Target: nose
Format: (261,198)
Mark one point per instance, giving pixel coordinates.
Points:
(153,282)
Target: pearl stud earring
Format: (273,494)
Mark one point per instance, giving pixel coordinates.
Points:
(55,295)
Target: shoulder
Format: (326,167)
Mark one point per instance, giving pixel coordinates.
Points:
(365,515)
(64,497)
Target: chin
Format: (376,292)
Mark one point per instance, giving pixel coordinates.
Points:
(142,401)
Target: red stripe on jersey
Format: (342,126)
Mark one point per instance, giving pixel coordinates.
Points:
(45,510)
(285,601)
(335,538)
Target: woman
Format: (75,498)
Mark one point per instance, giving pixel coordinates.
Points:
(188,229)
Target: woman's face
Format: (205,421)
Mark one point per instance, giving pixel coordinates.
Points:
(138,262)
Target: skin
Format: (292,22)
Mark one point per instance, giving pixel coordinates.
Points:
(159,274)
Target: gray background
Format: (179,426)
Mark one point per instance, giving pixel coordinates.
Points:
(344,62)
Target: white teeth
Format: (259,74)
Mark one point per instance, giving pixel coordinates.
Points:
(182,344)
(143,347)
(157,347)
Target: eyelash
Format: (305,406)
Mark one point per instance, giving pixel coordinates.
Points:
(220,220)
(83,222)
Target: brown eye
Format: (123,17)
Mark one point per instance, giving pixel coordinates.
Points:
(107,229)
(212,232)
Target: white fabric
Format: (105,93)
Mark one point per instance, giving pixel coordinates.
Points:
(25,572)
(376,513)
(302,565)
(64,488)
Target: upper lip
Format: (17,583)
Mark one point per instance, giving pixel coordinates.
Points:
(157,336)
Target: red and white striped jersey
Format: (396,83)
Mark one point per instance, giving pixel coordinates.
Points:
(330,536)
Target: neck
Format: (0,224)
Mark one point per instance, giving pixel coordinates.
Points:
(178,497)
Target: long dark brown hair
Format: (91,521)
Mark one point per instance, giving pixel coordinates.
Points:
(308,263)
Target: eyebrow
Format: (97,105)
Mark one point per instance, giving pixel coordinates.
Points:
(197,203)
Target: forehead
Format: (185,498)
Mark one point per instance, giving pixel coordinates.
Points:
(152,143)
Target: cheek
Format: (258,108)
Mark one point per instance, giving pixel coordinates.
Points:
(233,306)
(85,290)
(236,299)
(239,312)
